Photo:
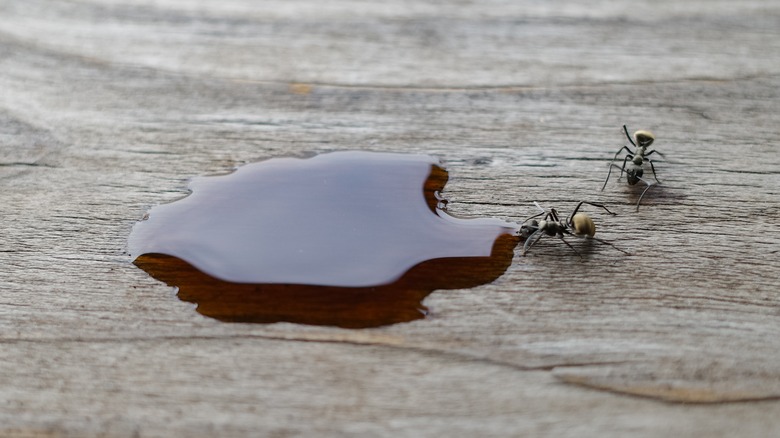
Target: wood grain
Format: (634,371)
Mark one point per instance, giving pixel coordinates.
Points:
(108,108)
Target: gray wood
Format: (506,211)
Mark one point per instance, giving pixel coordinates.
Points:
(106,109)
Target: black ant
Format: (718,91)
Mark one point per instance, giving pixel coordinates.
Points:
(578,224)
(634,171)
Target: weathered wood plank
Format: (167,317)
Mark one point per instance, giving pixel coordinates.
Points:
(107,109)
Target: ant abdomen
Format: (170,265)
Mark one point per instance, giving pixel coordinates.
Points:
(583,225)
(633,176)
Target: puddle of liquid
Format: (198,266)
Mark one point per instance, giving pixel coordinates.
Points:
(349,239)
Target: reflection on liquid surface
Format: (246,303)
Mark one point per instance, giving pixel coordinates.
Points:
(352,239)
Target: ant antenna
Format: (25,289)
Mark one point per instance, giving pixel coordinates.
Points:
(628,136)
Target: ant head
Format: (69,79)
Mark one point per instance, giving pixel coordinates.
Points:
(529,227)
(583,225)
(644,138)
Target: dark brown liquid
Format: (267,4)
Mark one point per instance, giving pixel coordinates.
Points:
(351,239)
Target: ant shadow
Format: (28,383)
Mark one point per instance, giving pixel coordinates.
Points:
(655,194)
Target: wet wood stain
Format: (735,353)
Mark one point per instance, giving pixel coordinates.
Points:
(349,239)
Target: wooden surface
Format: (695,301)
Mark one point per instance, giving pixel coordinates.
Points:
(106,109)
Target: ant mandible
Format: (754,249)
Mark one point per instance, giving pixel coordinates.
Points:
(635,170)
(578,224)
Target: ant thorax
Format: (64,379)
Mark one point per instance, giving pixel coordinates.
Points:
(552,228)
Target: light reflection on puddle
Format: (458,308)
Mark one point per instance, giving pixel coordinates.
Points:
(351,239)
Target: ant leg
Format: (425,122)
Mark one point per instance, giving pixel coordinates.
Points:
(595,204)
(623,168)
(653,169)
(643,193)
(613,160)
(610,244)
(624,148)
(655,152)
(628,136)
(552,214)
(600,240)
(608,174)
(529,242)
(536,215)
(532,217)
(572,248)
(569,244)
(577,209)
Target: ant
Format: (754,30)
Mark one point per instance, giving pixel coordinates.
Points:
(634,171)
(578,224)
